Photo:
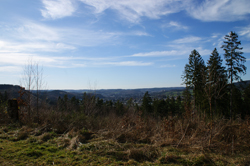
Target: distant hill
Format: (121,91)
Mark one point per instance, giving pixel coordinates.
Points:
(128,93)
(12,90)
(55,94)
(243,84)
(108,94)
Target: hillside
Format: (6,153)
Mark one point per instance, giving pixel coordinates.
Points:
(12,90)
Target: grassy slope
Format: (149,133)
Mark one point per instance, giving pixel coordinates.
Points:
(32,146)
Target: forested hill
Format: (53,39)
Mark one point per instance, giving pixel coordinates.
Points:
(242,84)
(134,93)
(109,94)
(12,91)
(7,87)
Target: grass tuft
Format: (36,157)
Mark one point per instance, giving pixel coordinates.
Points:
(22,135)
(171,159)
(147,153)
(34,153)
(203,160)
(47,136)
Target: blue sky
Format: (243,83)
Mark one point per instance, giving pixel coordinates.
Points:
(108,44)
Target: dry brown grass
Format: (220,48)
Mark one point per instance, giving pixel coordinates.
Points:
(133,139)
(226,137)
(221,136)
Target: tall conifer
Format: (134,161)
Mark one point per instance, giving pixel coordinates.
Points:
(216,78)
(193,76)
(234,60)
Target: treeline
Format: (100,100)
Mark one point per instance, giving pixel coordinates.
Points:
(91,105)
(171,106)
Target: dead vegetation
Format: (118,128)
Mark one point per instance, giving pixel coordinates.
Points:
(133,139)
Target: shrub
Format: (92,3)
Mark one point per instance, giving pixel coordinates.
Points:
(84,135)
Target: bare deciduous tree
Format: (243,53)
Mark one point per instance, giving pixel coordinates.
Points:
(32,79)
(39,85)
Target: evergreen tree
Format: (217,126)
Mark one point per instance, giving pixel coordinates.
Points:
(186,99)
(216,80)
(246,96)
(74,103)
(237,107)
(234,60)
(130,104)
(160,107)
(99,103)
(155,105)
(6,96)
(65,102)
(147,103)
(119,107)
(179,107)
(215,68)
(173,106)
(193,76)
(60,104)
(109,103)
(167,106)
(1,98)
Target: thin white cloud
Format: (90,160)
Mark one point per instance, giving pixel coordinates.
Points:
(245,31)
(176,25)
(177,50)
(246,48)
(189,39)
(179,47)
(159,53)
(21,58)
(11,69)
(202,51)
(185,49)
(167,66)
(55,9)
(70,36)
(33,47)
(138,33)
(29,39)
(17,60)
(132,10)
(28,36)
(29,30)
(71,63)
(215,35)
(126,63)
(220,10)
(35,37)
